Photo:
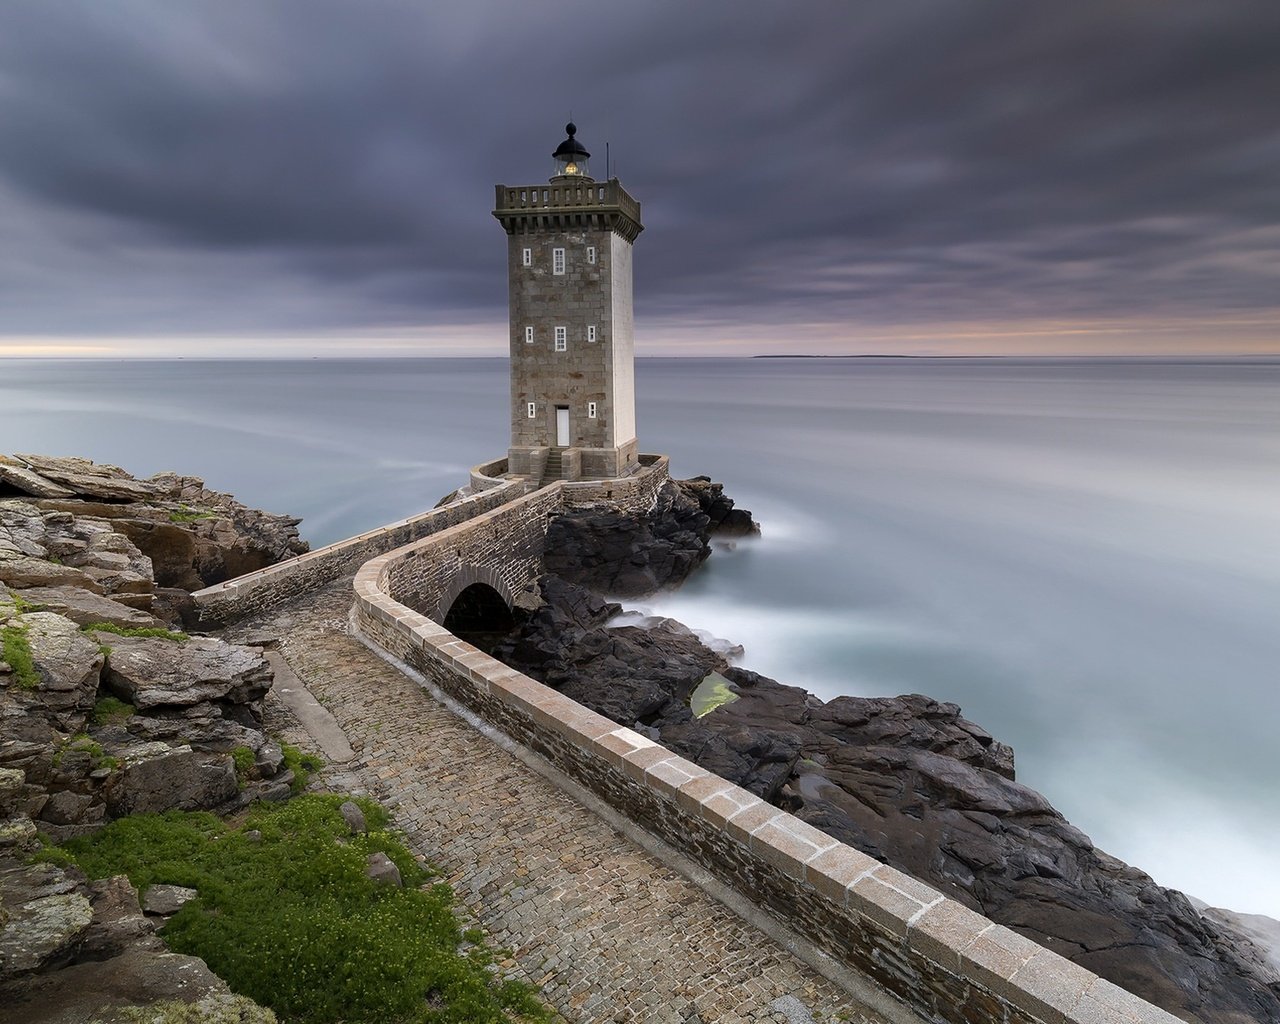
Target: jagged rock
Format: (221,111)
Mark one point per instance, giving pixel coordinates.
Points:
(97,480)
(353,816)
(158,778)
(118,923)
(19,570)
(69,664)
(17,833)
(382,869)
(68,808)
(45,917)
(87,609)
(150,672)
(29,482)
(206,726)
(719,508)
(166,900)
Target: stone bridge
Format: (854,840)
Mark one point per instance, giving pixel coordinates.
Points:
(926,956)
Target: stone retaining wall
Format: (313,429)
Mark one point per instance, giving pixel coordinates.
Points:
(939,958)
(226,602)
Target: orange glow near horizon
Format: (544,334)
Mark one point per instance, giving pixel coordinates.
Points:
(667,336)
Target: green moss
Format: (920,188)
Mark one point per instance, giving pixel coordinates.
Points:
(244,759)
(109,710)
(187,514)
(293,922)
(302,765)
(17,652)
(146,631)
(23,605)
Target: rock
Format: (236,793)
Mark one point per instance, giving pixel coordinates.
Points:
(44,917)
(353,816)
(24,571)
(30,482)
(97,480)
(118,923)
(69,664)
(150,672)
(253,835)
(85,608)
(158,778)
(67,808)
(166,900)
(17,833)
(382,869)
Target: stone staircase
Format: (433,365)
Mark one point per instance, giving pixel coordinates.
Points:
(554,469)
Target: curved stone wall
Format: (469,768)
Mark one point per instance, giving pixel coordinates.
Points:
(939,958)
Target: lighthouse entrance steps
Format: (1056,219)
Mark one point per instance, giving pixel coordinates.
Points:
(606,928)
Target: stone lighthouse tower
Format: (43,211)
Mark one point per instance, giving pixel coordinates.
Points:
(572,364)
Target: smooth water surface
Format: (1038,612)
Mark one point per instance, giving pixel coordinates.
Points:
(1084,555)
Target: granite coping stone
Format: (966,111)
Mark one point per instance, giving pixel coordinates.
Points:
(1051,986)
(888,906)
(616,745)
(833,871)
(666,777)
(750,819)
(692,794)
(994,956)
(639,761)
(1106,1003)
(779,842)
(719,807)
(943,930)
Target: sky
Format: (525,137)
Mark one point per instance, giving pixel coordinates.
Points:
(315,178)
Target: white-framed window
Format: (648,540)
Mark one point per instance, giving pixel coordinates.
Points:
(533,409)
(562,339)
(528,335)
(591,410)
(526,257)
(591,254)
(557,261)
(591,332)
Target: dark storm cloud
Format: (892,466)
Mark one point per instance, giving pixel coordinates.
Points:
(241,166)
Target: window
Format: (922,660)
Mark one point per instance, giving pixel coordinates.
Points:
(562,339)
(591,332)
(528,335)
(527,257)
(557,261)
(533,409)
(591,410)
(591,254)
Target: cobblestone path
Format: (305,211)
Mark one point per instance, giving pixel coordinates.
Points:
(604,928)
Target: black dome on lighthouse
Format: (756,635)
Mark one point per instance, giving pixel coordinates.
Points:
(571,147)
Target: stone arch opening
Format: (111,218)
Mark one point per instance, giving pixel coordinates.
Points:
(479,615)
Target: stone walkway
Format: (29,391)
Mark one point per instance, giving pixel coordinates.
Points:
(605,929)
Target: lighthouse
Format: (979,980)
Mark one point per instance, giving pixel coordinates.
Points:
(569,244)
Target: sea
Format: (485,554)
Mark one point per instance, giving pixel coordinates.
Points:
(1083,554)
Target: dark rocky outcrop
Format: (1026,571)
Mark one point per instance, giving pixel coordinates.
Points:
(625,555)
(906,779)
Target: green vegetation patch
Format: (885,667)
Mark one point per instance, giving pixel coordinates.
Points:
(303,765)
(713,692)
(109,710)
(187,514)
(244,759)
(153,631)
(15,649)
(291,920)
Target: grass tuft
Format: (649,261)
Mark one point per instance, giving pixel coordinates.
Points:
(110,710)
(145,631)
(303,765)
(293,922)
(15,649)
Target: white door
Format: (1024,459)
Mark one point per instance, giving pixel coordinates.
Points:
(562,426)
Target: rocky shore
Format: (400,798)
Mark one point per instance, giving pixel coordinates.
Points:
(906,779)
(108,709)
